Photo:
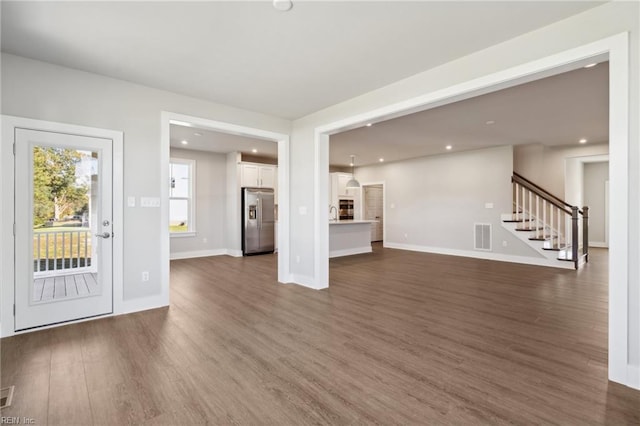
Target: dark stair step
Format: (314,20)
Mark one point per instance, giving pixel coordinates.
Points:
(544,238)
(529,229)
(556,247)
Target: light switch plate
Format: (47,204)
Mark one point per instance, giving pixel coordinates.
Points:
(302,210)
(131,201)
(149,202)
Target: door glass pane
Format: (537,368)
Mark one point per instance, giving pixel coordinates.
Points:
(64,216)
(178,215)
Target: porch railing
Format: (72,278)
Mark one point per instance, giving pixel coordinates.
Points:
(61,251)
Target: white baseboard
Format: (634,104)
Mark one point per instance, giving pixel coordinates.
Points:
(350,251)
(305,281)
(598,244)
(234,253)
(198,253)
(483,255)
(205,253)
(633,376)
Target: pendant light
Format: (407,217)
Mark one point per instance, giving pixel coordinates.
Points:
(353,183)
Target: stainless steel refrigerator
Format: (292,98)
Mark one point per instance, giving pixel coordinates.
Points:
(258,221)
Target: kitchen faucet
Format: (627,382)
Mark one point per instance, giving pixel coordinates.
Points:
(335,217)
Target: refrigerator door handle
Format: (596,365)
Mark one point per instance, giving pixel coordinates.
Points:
(259,213)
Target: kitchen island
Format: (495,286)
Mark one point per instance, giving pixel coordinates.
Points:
(347,237)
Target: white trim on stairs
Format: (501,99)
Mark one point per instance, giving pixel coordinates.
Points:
(484,255)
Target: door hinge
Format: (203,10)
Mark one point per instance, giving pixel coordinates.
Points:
(14,149)
(14,229)
(14,309)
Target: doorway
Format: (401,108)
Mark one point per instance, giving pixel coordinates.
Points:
(167,120)
(63,227)
(614,48)
(373,209)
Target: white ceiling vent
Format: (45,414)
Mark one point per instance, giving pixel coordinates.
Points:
(482,236)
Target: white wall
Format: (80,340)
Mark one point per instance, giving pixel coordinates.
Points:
(593,25)
(437,199)
(43,91)
(595,176)
(210,201)
(545,165)
(38,90)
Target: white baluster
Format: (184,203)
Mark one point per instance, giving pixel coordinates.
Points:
(517,212)
(544,217)
(537,217)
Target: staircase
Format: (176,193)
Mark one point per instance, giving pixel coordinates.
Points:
(547,223)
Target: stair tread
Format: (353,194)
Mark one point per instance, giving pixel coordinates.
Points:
(528,229)
(554,248)
(544,238)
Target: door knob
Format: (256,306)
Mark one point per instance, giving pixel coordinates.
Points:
(104,235)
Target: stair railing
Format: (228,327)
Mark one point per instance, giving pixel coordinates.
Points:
(551,218)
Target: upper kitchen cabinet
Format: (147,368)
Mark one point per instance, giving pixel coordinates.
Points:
(258,175)
(339,186)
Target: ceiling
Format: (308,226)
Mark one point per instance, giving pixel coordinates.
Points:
(554,111)
(208,140)
(248,55)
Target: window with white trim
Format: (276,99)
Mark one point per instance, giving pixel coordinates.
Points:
(182,197)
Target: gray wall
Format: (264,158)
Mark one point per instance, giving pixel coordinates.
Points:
(211,201)
(436,200)
(35,89)
(595,176)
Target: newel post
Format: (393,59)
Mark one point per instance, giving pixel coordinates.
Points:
(585,233)
(574,234)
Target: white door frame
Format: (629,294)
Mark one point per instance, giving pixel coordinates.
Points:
(384,205)
(616,50)
(7,293)
(284,275)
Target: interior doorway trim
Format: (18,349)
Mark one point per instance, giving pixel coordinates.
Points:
(283,187)
(384,205)
(7,293)
(616,50)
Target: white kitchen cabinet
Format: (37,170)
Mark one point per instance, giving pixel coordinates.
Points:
(258,175)
(267,176)
(339,185)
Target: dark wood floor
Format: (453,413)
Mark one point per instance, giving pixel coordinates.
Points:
(399,338)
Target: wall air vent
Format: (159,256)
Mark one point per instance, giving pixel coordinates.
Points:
(482,236)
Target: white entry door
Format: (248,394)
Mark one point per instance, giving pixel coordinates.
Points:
(63,234)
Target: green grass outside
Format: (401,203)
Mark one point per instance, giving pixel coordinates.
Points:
(178,228)
(71,245)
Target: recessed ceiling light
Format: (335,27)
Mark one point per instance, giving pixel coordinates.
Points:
(381,160)
(490,122)
(184,142)
(282,5)
(350,164)
(583,140)
(448,147)
(369,124)
(254,150)
(197,134)
(591,65)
